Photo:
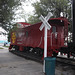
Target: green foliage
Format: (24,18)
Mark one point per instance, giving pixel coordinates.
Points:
(56,7)
(33,19)
(12,29)
(1,48)
(53,6)
(7,8)
(6,46)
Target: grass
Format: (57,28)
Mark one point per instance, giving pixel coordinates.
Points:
(1,48)
(6,46)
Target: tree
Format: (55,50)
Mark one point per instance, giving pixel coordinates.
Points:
(53,6)
(7,8)
(14,28)
(33,19)
(56,7)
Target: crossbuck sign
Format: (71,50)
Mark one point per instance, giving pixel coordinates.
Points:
(47,26)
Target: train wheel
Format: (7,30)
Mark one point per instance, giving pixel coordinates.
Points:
(55,54)
(61,53)
(68,55)
(26,49)
(17,48)
(31,50)
(41,52)
(38,51)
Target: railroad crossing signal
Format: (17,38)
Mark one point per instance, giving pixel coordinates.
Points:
(47,26)
(45,23)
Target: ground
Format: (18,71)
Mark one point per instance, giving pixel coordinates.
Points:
(11,64)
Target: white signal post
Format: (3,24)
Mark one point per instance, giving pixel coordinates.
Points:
(47,26)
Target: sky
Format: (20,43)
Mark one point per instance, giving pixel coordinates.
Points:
(26,9)
(3,38)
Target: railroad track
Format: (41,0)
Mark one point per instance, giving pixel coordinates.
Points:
(28,56)
(66,61)
(59,60)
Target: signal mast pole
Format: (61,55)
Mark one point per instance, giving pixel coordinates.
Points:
(73,20)
(46,27)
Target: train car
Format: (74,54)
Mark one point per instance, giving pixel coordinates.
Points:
(30,39)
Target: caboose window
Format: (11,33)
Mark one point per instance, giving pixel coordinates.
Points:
(53,29)
(16,34)
(26,33)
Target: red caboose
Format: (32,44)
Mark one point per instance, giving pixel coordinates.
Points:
(31,39)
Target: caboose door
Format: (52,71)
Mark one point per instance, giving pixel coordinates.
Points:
(54,39)
(54,35)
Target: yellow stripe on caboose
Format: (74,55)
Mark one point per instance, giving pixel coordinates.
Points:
(13,37)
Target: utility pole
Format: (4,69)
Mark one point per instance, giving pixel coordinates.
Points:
(73,20)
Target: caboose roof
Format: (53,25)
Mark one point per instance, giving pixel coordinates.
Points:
(58,21)
(53,21)
(22,24)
